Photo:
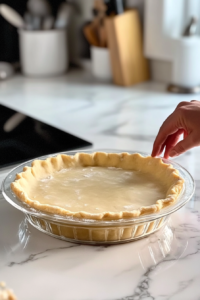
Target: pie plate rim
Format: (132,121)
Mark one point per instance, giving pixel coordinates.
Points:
(184,197)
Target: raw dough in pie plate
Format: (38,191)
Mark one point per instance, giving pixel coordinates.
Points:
(97,196)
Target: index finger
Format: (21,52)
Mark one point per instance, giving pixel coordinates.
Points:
(169,127)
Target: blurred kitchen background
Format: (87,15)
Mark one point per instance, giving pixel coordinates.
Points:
(66,64)
(124,42)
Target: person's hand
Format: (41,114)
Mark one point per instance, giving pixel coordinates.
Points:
(185,120)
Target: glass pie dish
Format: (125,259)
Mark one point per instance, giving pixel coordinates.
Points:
(88,231)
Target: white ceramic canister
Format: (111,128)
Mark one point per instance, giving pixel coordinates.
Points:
(101,65)
(43,53)
(186,67)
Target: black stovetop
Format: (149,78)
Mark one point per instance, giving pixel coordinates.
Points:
(27,138)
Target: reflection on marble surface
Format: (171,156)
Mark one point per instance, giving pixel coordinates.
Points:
(160,245)
(164,265)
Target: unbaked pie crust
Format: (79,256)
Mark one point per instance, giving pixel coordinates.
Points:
(99,186)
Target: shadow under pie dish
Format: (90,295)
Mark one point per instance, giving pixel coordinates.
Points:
(98,194)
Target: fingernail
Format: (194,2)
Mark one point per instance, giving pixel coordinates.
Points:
(173,153)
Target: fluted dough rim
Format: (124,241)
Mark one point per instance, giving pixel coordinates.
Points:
(42,168)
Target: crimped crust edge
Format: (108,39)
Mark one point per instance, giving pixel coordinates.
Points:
(126,161)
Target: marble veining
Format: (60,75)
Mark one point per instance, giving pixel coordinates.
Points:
(163,266)
(40,255)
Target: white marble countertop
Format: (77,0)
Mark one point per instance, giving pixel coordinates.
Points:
(163,266)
